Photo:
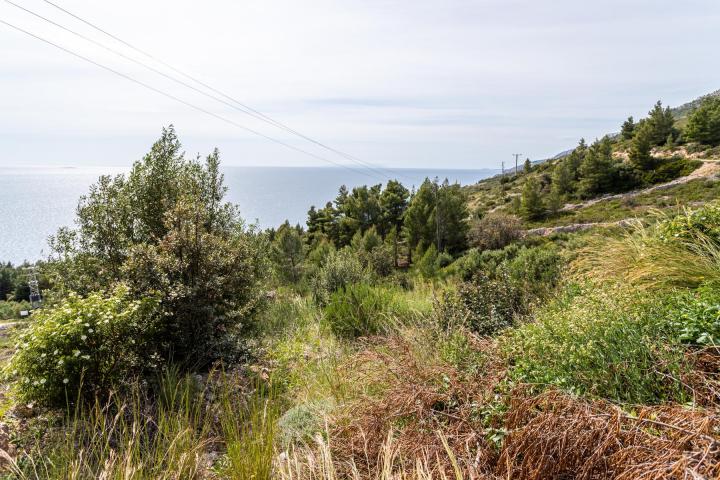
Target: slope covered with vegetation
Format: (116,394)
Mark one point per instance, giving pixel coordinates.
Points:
(400,335)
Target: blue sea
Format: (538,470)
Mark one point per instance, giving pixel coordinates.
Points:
(35,202)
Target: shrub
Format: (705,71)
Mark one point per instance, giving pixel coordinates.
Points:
(381,260)
(495,231)
(485,305)
(697,321)
(693,224)
(341,268)
(535,270)
(601,342)
(11,310)
(361,310)
(85,344)
(671,169)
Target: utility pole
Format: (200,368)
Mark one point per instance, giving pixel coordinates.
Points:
(516,155)
(34,284)
(503,168)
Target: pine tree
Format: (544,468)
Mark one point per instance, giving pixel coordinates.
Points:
(628,129)
(661,123)
(704,123)
(597,170)
(640,149)
(527,167)
(531,204)
(562,178)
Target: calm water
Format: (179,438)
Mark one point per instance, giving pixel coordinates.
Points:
(35,203)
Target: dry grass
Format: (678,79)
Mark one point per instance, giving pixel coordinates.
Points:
(557,436)
(644,260)
(416,397)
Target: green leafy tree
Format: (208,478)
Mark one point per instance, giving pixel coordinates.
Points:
(704,123)
(531,206)
(165,229)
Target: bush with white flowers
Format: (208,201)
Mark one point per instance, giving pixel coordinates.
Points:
(84,345)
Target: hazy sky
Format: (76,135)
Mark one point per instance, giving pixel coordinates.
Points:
(407,83)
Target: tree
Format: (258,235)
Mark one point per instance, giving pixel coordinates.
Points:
(393,203)
(597,171)
(628,129)
(704,123)
(640,149)
(661,123)
(527,166)
(563,179)
(531,204)
(165,229)
(437,215)
(289,252)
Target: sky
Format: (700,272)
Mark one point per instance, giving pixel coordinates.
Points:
(412,83)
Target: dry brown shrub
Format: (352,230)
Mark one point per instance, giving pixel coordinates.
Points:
(703,378)
(421,401)
(554,435)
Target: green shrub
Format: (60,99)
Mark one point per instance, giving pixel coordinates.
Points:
(380,260)
(361,310)
(85,344)
(301,423)
(536,270)
(698,318)
(341,268)
(694,224)
(484,305)
(608,343)
(671,169)
(10,310)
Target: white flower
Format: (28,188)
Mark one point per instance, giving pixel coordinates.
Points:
(56,351)
(90,330)
(43,355)
(87,324)
(76,353)
(65,380)
(42,381)
(86,357)
(61,361)
(83,337)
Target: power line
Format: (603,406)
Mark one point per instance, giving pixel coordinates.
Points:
(248,110)
(186,103)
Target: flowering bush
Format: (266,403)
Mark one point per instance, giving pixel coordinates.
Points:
(694,224)
(84,343)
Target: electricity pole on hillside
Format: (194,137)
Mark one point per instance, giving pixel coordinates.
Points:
(503,168)
(34,284)
(516,155)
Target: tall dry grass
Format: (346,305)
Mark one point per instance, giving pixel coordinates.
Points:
(642,259)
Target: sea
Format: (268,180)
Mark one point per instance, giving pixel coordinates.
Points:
(36,201)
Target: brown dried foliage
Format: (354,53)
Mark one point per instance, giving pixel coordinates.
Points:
(422,397)
(554,435)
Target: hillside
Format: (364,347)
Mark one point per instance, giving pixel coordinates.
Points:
(402,335)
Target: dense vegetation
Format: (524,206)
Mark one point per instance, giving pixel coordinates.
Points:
(400,334)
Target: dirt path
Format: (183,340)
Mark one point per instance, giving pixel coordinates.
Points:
(576,227)
(710,169)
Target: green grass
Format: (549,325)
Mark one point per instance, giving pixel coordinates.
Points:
(601,342)
(670,200)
